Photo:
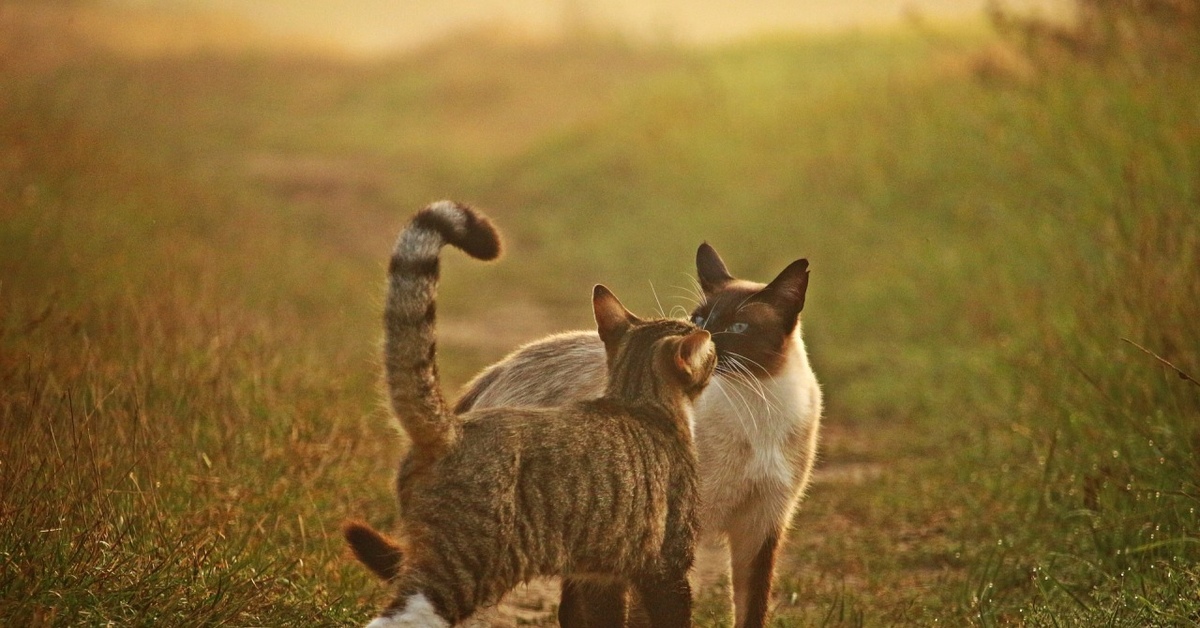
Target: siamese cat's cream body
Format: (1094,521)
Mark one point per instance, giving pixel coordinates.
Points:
(756,425)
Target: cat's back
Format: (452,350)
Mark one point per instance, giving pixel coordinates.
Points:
(553,371)
(584,488)
(578,434)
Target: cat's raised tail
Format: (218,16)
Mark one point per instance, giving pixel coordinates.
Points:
(410,335)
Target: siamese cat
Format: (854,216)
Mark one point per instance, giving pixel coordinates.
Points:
(601,491)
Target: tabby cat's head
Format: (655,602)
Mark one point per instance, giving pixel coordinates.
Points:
(751,323)
(672,352)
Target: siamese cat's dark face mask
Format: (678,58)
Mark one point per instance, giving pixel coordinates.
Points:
(751,323)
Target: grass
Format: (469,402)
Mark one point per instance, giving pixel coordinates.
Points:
(191,270)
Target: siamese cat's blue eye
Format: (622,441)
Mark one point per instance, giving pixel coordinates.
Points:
(698,320)
(738,328)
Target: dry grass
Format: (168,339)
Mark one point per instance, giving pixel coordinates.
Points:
(190,274)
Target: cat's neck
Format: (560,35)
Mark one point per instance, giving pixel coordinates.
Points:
(796,355)
(672,402)
(655,398)
(795,370)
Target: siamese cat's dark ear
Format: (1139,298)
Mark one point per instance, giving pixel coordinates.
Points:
(786,292)
(612,319)
(694,353)
(710,268)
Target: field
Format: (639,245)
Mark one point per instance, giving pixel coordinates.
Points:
(1004,234)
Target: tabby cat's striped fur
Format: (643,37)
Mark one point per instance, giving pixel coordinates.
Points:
(602,490)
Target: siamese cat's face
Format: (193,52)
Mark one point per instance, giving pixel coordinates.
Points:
(751,323)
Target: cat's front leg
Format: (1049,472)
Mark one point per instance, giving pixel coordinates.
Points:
(752,559)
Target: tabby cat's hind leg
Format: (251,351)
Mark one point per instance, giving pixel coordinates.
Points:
(667,599)
(592,604)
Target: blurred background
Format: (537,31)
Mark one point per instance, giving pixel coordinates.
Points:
(375,26)
(1000,203)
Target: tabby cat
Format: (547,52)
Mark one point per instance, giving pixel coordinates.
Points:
(756,425)
(603,490)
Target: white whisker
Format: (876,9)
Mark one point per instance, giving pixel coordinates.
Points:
(745,404)
(690,295)
(697,289)
(661,313)
(716,381)
(746,359)
(747,378)
(754,384)
(774,402)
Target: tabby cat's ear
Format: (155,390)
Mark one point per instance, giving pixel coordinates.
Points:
(612,319)
(694,354)
(786,292)
(710,269)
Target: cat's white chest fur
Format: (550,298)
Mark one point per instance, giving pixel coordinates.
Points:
(756,442)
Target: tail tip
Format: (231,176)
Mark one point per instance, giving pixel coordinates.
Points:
(464,227)
(375,551)
(354,530)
